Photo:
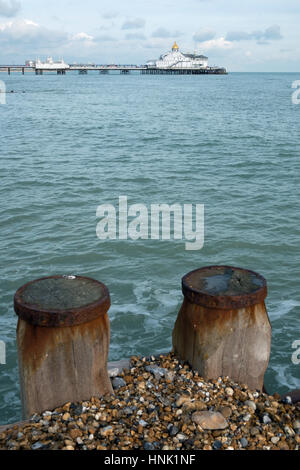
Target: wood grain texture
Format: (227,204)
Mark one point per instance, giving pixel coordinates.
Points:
(60,365)
(233,343)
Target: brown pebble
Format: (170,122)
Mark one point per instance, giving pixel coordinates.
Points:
(209,420)
(74,433)
(226,411)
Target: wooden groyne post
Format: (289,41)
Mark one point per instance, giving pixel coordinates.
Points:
(223,328)
(63,337)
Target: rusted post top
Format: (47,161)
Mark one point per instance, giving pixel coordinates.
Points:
(224,287)
(60,301)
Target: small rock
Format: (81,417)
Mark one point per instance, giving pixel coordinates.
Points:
(118,382)
(251,404)
(158,372)
(254,431)
(148,446)
(77,409)
(210,420)
(226,411)
(181,400)
(181,437)
(287,400)
(74,433)
(275,440)
(247,417)
(217,445)
(289,431)
(173,430)
(283,445)
(296,424)
(244,442)
(266,419)
(37,446)
(114,372)
(106,431)
(229,391)
(143,423)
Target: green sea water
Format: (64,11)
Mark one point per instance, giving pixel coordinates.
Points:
(70,143)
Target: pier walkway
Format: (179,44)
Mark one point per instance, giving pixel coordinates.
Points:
(105,69)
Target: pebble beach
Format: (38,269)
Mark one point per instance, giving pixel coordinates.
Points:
(160,403)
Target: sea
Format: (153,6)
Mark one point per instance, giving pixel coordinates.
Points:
(71,143)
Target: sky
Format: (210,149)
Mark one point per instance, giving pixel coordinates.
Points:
(241,35)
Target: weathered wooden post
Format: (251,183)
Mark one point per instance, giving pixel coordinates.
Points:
(63,336)
(223,328)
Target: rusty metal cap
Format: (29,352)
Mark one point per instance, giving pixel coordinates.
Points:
(61,301)
(224,287)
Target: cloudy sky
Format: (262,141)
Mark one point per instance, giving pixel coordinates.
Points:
(247,35)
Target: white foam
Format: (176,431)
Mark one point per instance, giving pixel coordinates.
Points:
(285,378)
(284,307)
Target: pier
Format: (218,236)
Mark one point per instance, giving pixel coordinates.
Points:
(106,69)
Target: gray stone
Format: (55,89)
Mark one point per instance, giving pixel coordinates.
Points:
(158,372)
(148,446)
(251,404)
(118,382)
(244,442)
(217,445)
(143,423)
(266,419)
(37,446)
(247,417)
(173,430)
(116,368)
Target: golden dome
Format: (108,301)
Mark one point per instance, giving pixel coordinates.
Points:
(175,47)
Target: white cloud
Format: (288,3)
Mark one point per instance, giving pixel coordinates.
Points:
(9,8)
(219,43)
(82,37)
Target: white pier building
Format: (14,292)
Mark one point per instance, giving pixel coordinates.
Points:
(177,60)
(51,65)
